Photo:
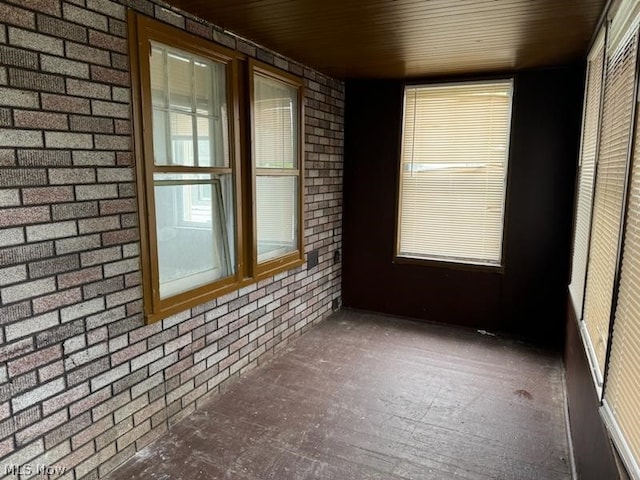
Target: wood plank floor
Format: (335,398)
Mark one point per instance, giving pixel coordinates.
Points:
(365,396)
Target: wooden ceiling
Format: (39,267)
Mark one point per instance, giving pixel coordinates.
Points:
(410,38)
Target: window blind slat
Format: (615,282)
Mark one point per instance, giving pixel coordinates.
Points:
(453,171)
(609,195)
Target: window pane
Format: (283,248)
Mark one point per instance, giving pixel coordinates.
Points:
(276,126)
(194,230)
(192,93)
(180,82)
(453,173)
(277,216)
(157,70)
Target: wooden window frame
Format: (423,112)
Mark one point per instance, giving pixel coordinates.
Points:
(143,30)
(239,82)
(296,258)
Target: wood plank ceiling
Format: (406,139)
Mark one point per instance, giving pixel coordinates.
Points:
(410,38)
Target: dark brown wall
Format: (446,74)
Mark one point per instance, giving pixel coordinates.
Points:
(592,449)
(526,299)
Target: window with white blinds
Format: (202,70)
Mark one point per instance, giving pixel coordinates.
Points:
(588,148)
(622,390)
(453,171)
(617,120)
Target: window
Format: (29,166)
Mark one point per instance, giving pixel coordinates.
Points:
(277,167)
(609,196)
(586,171)
(188,180)
(453,171)
(199,238)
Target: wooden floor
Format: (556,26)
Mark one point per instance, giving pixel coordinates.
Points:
(363,396)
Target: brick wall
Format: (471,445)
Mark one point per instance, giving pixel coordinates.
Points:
(84,383)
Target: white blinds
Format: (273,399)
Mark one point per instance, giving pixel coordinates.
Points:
(590,128)
(622,393)
(453,171)
(609,195)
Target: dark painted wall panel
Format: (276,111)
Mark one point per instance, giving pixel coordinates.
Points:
(593,453)
(528,297)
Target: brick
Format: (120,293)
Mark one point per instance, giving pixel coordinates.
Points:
(77,51)
(43,158)
(67,176)
(51,231)
(84,17)
(125,296)
(63,66)
(93,158)
(17,16)
(53,455)
(68,140)
(25,253)
(41,120)
(65,398)
(113,403)
(46,195)
(20,138)
(17,57)
(51,371)
(53,266)
(91,432)
(13,350)
(41,82)
(67,430)
(62,29)
(77,244)
(33,361)
(36,395)
(9,198)
(11,236)
(132,435)
(82,88)
(91,124)
(65,103)
(79,277)
(74,210)
(198,28)
(12,97)
(56,300)
(120,236)
(103,288)
(41,427)
(110,109)
(23,455)
(123,127)
(96,192)
(118,28)
(166,15)
(102,224)
(27,290)
(109,75)
(113,142)
(21,177)
(35,41)
(107,7)
(103,255)
(110,207)
(11,275)
(58,334)
(108,42)
(82,309)
(121,94)
(24,215)
(112,175)
(7,157)
(109,377)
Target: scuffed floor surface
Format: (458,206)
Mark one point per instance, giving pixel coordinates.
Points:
(365,396)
